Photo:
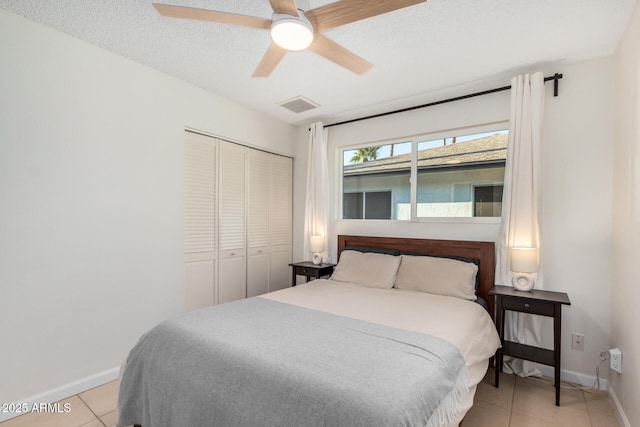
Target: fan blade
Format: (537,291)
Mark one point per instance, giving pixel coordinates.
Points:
(338,54)
(271,58)
(284,6)
(212,15)
(346,11)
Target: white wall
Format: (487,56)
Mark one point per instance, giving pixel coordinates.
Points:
(577,179)
(577,171)
(91,158)
(625,316)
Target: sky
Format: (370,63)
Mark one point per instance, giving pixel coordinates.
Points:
(405,147)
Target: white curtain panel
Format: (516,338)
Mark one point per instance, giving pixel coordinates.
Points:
(521,205)
(317,202)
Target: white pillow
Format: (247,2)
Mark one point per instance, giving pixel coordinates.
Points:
(367,269)
(441,276)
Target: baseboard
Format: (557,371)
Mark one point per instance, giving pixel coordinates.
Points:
(618,407)
(574,377)
(66,390)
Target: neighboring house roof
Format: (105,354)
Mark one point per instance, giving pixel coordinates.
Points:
(490,149)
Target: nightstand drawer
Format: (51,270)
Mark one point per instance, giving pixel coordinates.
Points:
(306,271)
(528,306)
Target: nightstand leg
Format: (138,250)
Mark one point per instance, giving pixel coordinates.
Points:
(557,332)
(496,381)
(499,314)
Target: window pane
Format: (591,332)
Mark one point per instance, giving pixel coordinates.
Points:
(487,200)
(380,174)
(377,205)
(451,169)
(352,205)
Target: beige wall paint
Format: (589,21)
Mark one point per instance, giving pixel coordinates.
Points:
(91,163)
(625,316)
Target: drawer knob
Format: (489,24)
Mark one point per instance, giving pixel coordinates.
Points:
(526,304)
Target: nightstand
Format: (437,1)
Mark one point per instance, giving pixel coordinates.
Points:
(542,303)
(310,270)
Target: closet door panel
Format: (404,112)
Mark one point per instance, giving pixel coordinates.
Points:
(258,222)
(258,271)
(232,283)
(279,275)
(281,200)
(281,222)
(258,212)
(200,197)
(200,193)
(200,273)
(232,196)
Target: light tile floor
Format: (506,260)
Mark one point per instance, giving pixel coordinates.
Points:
(92,408)
(519,402)
(527,402)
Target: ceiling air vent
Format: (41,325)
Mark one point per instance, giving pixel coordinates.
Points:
(299,104)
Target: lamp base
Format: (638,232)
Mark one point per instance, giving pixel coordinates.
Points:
(522,281)
(317,258)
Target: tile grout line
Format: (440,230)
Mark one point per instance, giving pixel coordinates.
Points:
(587,406)
(513,396)
(92,411)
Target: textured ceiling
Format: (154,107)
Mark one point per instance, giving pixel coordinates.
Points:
(416,52)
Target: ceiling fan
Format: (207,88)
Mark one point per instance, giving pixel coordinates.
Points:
(293,29)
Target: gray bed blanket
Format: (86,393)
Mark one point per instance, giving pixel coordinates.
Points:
(258,362)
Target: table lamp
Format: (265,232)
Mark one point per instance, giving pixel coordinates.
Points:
(524,261)
(316,244)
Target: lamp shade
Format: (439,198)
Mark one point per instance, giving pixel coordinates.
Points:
(524,260)
(316,244)
(291,32)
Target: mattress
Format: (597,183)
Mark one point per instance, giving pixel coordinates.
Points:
(465,324)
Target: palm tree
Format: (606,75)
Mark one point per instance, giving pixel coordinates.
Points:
(365,154)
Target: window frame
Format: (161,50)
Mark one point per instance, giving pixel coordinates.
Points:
(414,140)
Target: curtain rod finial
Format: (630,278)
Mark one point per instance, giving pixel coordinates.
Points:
(556,78)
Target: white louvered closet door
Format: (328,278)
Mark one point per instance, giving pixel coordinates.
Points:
(281,222)
(200,220)
(232,217)
(258,222)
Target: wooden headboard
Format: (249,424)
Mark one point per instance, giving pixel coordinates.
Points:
(484,252)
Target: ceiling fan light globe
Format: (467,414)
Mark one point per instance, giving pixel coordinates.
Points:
(290,32)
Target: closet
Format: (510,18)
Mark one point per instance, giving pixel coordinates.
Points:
(237,221)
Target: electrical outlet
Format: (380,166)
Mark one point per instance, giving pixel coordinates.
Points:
(577,341)
(615,360)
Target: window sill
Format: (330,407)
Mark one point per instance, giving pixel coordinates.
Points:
(438,220)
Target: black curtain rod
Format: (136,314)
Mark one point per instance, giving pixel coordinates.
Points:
(555,79)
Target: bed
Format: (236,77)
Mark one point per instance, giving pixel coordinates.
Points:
(394,337)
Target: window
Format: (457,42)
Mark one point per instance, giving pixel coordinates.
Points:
(457,176)
(376,182)
(367,205)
